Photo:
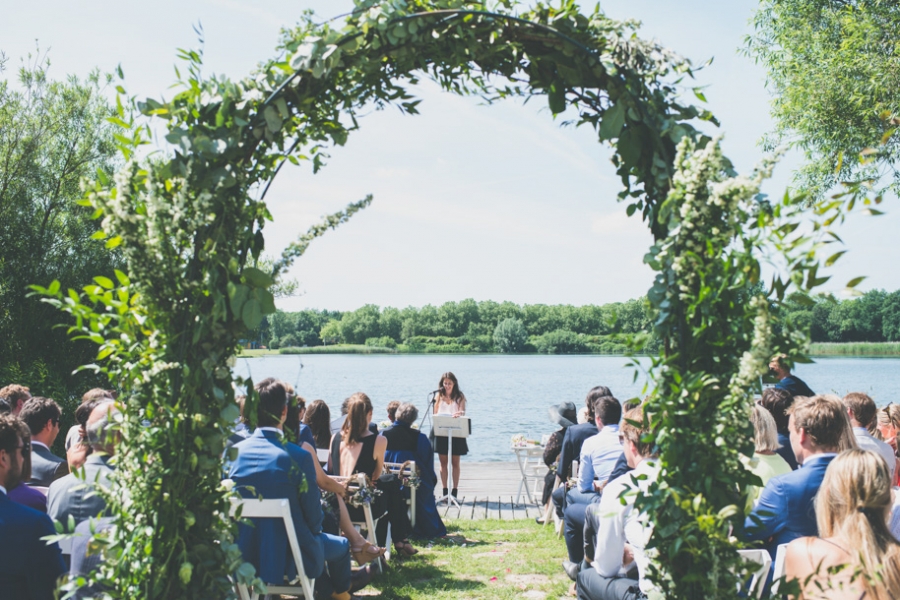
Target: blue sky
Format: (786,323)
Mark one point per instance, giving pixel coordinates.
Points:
(493,203)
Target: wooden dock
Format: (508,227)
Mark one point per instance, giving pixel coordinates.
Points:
(488,490)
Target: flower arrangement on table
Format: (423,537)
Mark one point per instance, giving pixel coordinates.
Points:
(520,441)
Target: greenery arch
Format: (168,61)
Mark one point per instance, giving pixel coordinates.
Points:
(189,224)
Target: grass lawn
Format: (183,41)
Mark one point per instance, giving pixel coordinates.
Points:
(479,559)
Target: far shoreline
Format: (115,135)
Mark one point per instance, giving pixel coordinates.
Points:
(816,350)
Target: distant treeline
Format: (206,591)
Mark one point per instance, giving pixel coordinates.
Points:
(470,326)
(466,326)
(872,317)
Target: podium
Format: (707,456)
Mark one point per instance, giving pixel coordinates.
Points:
(451,427)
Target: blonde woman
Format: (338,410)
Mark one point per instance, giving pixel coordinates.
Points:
(855,556)
(766,462)
(888,423)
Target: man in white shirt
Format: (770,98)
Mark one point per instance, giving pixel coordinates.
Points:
(862,412)
(622,532)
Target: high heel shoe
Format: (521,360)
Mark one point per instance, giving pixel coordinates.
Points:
(367,553)
(405,548)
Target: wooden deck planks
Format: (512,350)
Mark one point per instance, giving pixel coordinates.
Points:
(488,490)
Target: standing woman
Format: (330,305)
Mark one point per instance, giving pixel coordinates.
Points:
(451,402)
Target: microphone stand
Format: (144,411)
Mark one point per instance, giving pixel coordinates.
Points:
(432,398)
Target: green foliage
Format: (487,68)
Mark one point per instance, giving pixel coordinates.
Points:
(437,328)
(872,317)
(189,225)
(560,341)
(52,133)
(834,71)
(510,336)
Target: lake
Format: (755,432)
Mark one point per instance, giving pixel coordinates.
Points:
(511,394)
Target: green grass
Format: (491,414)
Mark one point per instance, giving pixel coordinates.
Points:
(245,353)
(487,559)
(855,349)
(339,349)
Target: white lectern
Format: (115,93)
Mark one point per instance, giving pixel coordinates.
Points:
(451,427)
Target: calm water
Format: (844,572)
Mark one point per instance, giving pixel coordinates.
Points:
(510,394)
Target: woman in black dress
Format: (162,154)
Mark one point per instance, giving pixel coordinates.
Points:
(357,450)
(450,401)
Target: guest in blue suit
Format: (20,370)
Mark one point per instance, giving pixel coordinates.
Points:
(818,428)
(29,567)
(571,447)
(268,466)
(405,443)
(782,371)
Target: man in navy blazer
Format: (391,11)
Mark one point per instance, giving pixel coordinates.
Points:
(785,510)
(29,567)
(269,466)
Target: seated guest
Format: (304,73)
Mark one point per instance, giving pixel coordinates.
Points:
(766,463)
(22,492)
(405,443)
(78,497)
(77,454)
(29,566)
(571,447)
(358,450)
(42,417)
(294,421)
(392,407)
(270,467)
(777,401)
(16,396)
(785,508)
(862,413)
(564,415)
(622,531)
(318,419)
(76,431)
(889,428)
(855,556)
(780,368)
(599,452)
(338,423)
(242,428)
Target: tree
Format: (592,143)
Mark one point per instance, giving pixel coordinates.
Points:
(361,324)
(834,71)
(510,336)
(331,332)
(52,133)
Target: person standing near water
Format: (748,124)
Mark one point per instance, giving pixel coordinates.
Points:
(450,401)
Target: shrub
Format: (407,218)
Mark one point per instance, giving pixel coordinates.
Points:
(510,336)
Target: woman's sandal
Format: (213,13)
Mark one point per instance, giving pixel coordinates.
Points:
(366,554)
(405,548)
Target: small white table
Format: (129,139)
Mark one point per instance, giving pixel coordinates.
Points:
(531,465)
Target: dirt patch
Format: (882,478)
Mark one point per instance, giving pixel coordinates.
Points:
(534,595)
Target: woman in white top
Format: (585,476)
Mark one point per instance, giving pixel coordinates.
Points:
(450,401)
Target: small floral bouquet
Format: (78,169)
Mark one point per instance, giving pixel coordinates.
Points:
(518,441)
(363,495)
(413,481)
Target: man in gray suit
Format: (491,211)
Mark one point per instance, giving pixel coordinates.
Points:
(42,417)
(77,496)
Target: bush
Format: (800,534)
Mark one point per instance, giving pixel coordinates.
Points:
(289,341)
(510,336)
(561,341)
(381,342)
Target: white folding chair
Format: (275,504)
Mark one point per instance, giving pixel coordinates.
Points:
(251,508)
(357,482)
(402,470)
(778,570)
(758,582)
(576,466)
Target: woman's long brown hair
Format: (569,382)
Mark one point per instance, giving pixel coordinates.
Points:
(357,422)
